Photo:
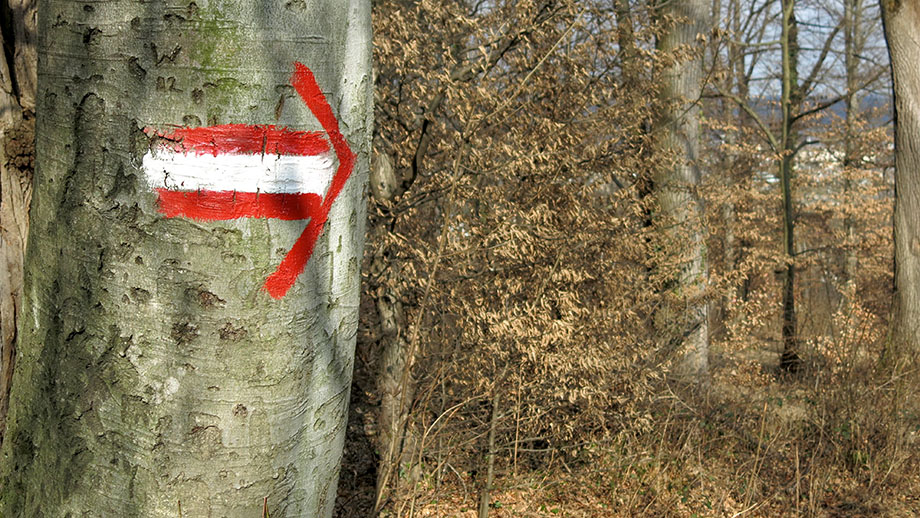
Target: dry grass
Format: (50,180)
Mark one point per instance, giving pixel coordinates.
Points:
(750,444)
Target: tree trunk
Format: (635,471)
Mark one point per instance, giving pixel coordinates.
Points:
(394,381)
(852,48)
(161,360)
(395,385)
(902,24)
(677,182)
(17,151)
(791,100)
(733,168)
(736,248)
(626,41)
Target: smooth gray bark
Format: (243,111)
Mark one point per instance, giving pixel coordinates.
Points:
(676,184)
(153,369)
(902,25)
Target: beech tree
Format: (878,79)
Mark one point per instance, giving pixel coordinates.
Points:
(191,285)
(676,183)
(786,137)
(902,23)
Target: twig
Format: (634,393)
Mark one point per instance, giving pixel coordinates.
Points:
(490,459)
(757,459)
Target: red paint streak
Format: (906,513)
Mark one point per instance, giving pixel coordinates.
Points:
(303,81)
(224,205)
(243,139)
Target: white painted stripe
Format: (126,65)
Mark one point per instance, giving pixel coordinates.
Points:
(239,173)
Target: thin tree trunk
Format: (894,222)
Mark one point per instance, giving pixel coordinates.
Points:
(394,384)
(852,46)
(733,168)
(902,24)
(394,376)
(153,368)
(736,247)
(676,184)
(791,99)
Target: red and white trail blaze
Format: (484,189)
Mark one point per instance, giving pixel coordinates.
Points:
(250,171)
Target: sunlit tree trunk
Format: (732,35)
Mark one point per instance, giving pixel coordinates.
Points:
(676,183)
(902,25)
(17,145)
(155,376)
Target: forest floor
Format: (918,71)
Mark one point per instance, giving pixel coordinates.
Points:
(832,441)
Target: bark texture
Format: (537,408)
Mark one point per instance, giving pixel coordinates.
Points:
(676,184)
(395,383)
(17,152)
(152,369)
(902,25)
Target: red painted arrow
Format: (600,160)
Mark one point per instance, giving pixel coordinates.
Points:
(211,204)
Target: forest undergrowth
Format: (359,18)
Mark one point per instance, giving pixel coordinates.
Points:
(838,439)
(529,291)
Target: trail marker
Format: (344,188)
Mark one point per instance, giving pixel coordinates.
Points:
(236,171)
